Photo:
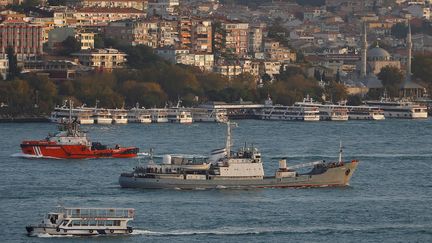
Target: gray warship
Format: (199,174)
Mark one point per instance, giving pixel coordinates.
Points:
(241,169)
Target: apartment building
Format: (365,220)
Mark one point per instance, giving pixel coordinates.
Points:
(26,39)
(143,32)
(4,66)
(195,34)
(103,16)
(204,61)
(163,8)
(232,37)
(102,59)
(136,4)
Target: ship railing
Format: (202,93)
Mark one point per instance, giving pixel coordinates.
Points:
(99,212)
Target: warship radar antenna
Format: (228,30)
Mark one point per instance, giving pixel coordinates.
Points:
(228,140)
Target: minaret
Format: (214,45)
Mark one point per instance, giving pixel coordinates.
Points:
(364,53)
(409,47)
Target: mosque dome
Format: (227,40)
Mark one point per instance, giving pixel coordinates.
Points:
(378,54)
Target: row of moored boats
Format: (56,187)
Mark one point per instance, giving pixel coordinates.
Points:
(308,110)
(87,115)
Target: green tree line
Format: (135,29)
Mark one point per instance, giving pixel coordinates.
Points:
(153,82)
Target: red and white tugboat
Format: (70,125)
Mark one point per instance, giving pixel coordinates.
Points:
(71,143)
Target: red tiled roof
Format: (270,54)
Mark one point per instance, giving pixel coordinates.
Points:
(110,10)
(114,0)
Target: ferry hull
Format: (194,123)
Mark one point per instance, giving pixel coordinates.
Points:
(103,121)
(333,177)
(405,115)
(86,121)
(51,150)
(35,230)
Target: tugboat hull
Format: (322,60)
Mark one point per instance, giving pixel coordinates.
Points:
(52,150)
(333,177)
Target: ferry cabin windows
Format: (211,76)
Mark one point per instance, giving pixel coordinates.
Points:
(93,223)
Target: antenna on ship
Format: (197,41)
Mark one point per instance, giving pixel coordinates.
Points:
(228,140)
(340,151)
(70,111)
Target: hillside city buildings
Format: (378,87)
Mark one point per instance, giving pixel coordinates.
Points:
(350,38)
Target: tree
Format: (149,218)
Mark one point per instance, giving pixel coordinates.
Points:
(300,56)
(338,78)
(317,74)
(354,100)
(69,46)
(141,56)
(57,2)
(323,76)
(399,30)
(421,68)
(337,92)
(30,3)
(14,70)
(391,79)
(99,42)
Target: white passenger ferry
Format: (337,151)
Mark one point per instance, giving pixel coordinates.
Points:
(400,109)
(365,113)
(84,222)
(179,115)
(327,111)
(209,115)
(139,115)
(82,114)
(119,116)
(102,116)
(290,113)
(159,115)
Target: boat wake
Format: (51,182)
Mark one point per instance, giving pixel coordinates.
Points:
(358,156)
(29,156)
(340,229)
(46,235)
(222,231)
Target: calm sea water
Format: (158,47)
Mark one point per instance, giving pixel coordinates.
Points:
(390,197)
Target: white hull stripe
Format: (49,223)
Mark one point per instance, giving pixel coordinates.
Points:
(37,151)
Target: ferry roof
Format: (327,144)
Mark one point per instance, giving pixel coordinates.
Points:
(223,105)
(99,212)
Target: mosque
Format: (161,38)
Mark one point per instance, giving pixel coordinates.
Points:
(374,59)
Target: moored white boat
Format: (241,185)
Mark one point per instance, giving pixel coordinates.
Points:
(209,115)
(85,222)
(159,115)
(82,114)
(400,109)
(139,115)
(365,113)
(329,112)
(179,115)
(102,116)
(119,116)
(85,116)
(290,113)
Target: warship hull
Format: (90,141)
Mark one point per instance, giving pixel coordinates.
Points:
(332,177)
